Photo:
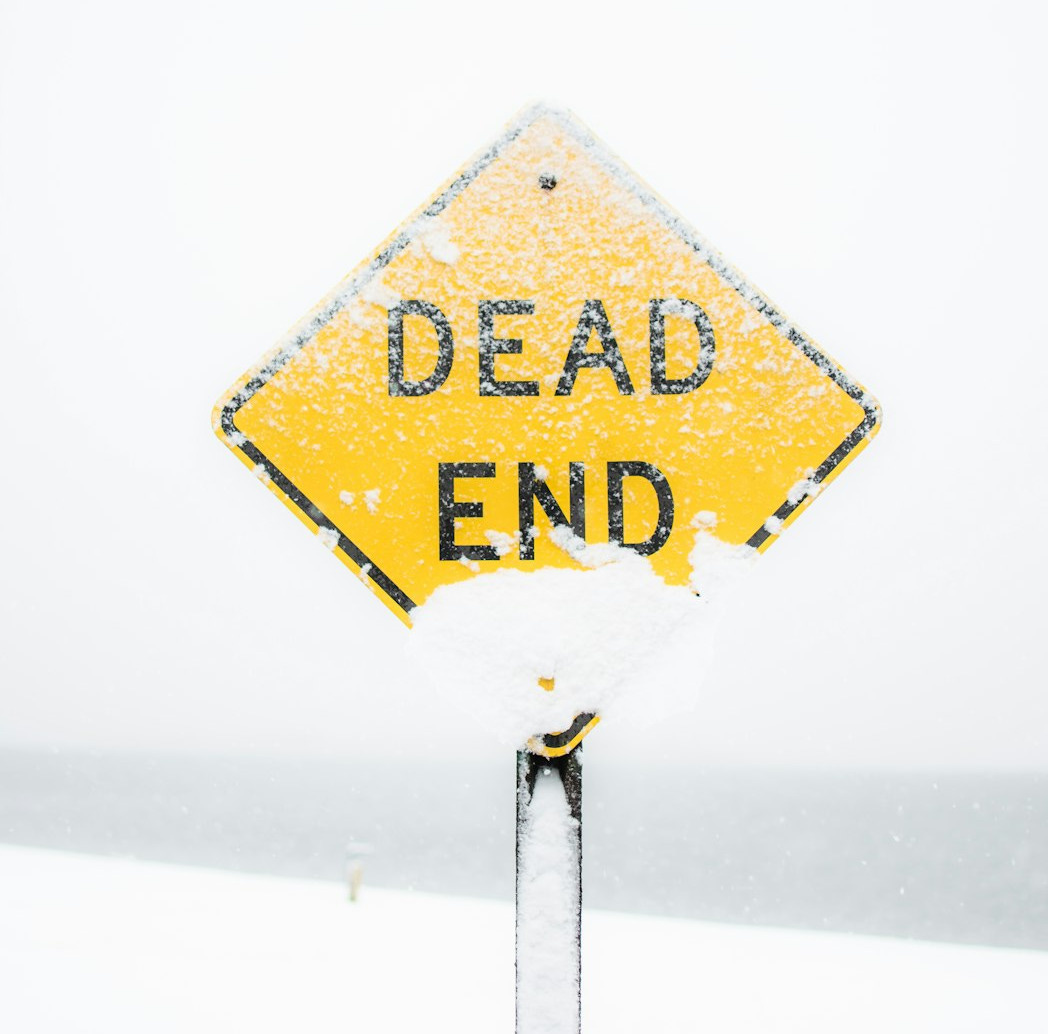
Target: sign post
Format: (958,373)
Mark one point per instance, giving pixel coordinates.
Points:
(549,893)
(543,350)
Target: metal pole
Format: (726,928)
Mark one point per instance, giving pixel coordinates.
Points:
(549,893)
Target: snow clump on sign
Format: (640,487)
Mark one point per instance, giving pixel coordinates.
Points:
(615,639)
(804,488)
(715,566)
(503,542)
(436,239)
(328,537)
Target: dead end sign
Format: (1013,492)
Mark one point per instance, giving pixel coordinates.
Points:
(545,343)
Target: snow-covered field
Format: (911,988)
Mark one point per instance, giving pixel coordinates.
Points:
(95,944)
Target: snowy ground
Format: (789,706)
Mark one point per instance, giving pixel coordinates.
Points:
(93,944)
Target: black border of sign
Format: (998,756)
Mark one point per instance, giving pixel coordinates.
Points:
(301,337)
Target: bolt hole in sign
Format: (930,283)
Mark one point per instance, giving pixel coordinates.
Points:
(544,346)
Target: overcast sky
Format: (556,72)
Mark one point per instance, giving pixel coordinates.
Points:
(179,183)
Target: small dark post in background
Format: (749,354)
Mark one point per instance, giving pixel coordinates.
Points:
(568,769)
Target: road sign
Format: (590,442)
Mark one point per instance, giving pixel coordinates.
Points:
(545,343)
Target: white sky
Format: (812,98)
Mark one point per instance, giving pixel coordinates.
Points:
(180,182)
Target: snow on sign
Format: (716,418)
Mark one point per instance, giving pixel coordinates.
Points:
(544,344)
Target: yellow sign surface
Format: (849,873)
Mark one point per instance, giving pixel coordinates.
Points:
(545,344)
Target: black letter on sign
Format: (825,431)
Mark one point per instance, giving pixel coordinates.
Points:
(594,317)
(660,309)
(530,488)
(449,510)
(616,532)
(445,348)
(490,346)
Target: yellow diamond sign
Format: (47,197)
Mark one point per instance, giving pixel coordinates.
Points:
(546,344)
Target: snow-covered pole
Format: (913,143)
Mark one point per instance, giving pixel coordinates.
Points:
(549,892)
